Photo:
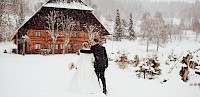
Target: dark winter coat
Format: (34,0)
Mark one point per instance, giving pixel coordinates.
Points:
(101,59)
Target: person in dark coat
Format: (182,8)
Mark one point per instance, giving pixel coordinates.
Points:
(101,61)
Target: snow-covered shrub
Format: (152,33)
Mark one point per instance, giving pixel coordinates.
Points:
(171,59)
(155,65)
(122,61)
(8,47)
(184,73)
(191,61)
(149,67)
(135,62)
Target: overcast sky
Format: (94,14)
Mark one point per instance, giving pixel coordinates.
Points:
(175,0)
(34,1)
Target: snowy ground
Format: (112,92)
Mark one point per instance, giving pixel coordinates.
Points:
(49,76)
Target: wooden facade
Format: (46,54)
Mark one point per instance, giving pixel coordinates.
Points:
(36,28)
(41,39)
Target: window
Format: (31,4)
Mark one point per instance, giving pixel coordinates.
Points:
(37,46)
(79,46)
(85,36)
(76,34)
(56,46)
(70,46)
(61,46)
(38,33)
(50,46)
(56,34)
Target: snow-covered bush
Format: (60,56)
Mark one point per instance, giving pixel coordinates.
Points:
(148,68)
(7,46)
(122,61)
(135,62)
(171,59)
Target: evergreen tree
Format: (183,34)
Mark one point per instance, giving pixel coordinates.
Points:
(130,29)
(118,29)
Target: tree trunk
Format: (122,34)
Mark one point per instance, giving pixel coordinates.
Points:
(170,35)
(54,43)
(17,44)
(23,52)
(147,46)
(196,36)
(66,41)
(65,45)
(157,46)
(53,49)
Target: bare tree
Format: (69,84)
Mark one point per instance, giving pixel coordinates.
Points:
(182,26)
(20,8)
(174,31)
(6,28)
(160,30)
(25,39)
(2,18)
(170,28)
(68,25)
(90,29)
(147,28)
(196,26)
(51,22)
(6,24)
(21,13)
(2,9)
(37,6)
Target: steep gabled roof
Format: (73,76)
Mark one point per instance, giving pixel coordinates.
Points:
(69,5)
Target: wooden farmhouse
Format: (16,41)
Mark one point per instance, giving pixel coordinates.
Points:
(60,26)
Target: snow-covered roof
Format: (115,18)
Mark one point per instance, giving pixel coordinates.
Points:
(71,5)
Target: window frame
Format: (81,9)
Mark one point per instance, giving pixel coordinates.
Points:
(37,46)
(37,33)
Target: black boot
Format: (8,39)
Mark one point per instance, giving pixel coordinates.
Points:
(105,91)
